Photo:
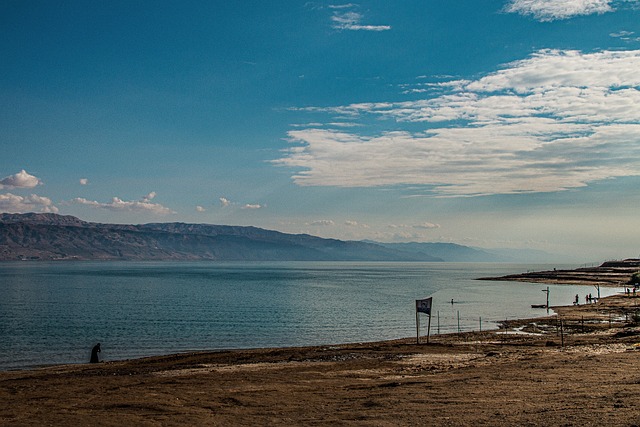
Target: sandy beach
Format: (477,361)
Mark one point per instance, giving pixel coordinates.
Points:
(581,370)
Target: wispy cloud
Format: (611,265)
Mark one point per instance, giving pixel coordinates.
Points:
(225,203)
(627,36)
(346,17)
(554,121)
(200,209)
(551,10)
(343,6)
(21,179)
(621,34)
(149,197)
(19,204)
(116,204)
(351,223)
(84,181)
(421,226)
(407,232)
(427,226)
(322,223)
(252,206)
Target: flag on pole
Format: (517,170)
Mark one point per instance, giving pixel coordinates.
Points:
(424,306)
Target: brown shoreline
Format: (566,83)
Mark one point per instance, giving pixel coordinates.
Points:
(610,273)
(498,378)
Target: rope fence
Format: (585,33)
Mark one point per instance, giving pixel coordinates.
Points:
(561,326)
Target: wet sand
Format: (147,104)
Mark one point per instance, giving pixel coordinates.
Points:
(582,370)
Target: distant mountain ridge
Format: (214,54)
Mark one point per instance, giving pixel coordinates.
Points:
(449,252)
(56,237)
(34,236)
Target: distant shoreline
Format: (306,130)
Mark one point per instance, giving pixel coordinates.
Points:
(609,274)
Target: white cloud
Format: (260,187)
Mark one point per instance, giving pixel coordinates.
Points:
(224,202)
(342,6)
(350,223)
(149,197)
(422,226)
(84,181)
(119,205)
(322,223)
(21,179)
(621,34)
(200,209)
(554,121)
(33,203)
(427,226)
(345,19)
(625,36)
(551,10)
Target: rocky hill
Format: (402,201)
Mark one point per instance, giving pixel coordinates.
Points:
(56,237)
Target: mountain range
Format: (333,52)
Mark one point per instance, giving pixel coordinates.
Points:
(33,236)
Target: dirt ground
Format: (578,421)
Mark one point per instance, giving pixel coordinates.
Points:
(577,368)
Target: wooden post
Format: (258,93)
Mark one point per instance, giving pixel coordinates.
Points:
(438,322)
(458,321)
(428,328)
(547,298)
(562,332)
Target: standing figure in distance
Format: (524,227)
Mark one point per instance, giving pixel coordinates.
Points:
(94,354)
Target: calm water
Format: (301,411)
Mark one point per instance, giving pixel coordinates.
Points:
(53,313)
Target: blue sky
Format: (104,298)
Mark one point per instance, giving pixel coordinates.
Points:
(512,123)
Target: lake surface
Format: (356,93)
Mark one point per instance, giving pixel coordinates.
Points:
(53,313)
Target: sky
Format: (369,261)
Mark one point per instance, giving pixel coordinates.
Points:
(487,123)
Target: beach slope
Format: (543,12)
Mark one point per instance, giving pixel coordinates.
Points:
(577,368)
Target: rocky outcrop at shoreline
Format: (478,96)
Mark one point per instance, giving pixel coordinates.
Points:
(610,273)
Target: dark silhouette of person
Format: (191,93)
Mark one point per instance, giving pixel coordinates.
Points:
(94,354)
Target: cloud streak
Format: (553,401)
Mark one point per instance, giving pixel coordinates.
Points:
(554,121)
(119,205)
(322,223)
(345,18)
(551,10)
(252,206)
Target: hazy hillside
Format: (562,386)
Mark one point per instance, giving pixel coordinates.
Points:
(451,252)
(448,252)
(56,237)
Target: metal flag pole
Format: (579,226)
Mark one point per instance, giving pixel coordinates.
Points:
(417,326)
(423,306)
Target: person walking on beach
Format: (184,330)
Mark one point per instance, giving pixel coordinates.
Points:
(94,354)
